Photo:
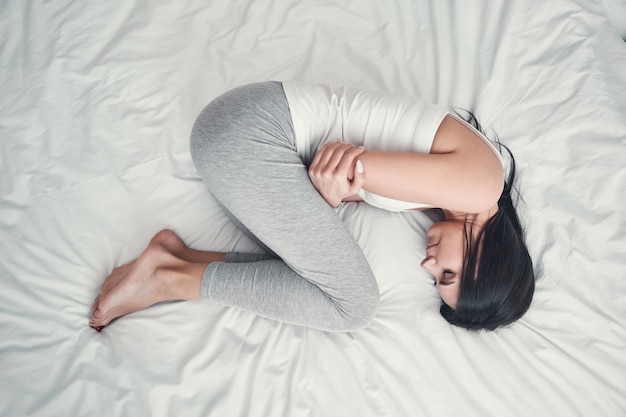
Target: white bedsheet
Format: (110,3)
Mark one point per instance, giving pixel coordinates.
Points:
(97,100)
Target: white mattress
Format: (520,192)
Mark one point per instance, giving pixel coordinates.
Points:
(97,100)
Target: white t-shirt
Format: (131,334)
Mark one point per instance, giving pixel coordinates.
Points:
(374,120)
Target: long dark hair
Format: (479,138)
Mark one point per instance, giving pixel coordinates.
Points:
(497,280)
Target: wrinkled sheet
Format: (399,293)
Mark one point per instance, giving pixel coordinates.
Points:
(97,100)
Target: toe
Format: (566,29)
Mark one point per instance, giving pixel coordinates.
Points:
(94,306)
(97,318)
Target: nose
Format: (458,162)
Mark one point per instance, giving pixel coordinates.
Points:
(429,261)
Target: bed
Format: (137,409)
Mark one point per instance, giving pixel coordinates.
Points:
(97,103)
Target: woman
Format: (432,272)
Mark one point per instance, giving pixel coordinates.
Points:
(279,156)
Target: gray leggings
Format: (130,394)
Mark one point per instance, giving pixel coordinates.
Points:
(243,146)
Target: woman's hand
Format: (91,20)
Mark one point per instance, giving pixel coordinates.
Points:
(336,171)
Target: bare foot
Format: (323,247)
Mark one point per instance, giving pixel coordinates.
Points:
(169,240)
(161,273)
(166,238)
(112,280)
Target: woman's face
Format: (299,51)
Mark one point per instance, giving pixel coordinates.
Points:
(444,258)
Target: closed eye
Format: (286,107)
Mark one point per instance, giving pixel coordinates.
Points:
(447,278)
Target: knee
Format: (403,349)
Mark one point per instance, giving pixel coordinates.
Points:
(212,134)
(361,320)
(357,312)
(208,147)
(202,145)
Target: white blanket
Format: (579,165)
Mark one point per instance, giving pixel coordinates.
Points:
(97,100)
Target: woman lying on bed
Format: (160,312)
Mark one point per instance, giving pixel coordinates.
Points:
(252,147)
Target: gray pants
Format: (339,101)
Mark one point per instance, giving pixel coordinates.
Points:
(243,146)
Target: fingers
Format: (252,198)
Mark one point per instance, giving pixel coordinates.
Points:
(347,164)
(323,156)
(332,171)
(359,178)
(335,158)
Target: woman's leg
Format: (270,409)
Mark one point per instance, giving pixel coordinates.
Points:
(166,270)
(171,243)
(243,146)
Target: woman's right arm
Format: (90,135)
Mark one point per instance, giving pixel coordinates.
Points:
(461,173)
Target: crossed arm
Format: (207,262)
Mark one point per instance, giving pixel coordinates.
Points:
(460,173)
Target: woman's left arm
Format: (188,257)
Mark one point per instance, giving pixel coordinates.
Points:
(461,173)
